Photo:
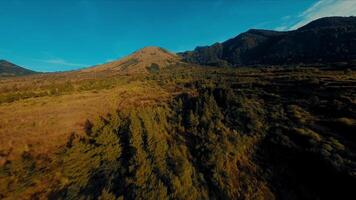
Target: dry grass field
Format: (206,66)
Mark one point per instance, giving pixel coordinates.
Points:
(45,122)
(40,111)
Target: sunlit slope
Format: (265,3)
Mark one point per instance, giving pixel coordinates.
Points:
(148,59)
(42,110)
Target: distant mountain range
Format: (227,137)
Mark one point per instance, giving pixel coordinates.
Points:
(326,40)
(330,40)
(9,69)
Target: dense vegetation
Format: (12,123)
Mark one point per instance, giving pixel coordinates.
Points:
(225,134)
(33,89)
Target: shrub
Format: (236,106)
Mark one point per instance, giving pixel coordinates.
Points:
(308,133)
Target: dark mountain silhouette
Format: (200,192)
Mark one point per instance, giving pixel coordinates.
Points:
(326,40)
(9,69)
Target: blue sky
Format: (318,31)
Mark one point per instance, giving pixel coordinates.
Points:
(48,35)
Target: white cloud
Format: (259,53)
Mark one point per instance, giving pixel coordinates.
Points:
(62,62)
(325,8)
(109,60)
(322,8)
(282,28)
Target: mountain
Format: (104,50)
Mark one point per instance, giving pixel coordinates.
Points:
(9,69)
(148,59)
(326,40)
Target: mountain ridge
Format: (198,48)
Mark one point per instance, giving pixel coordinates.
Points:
(325,40)
(8,69)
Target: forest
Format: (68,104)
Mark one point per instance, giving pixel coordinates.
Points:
(270,133)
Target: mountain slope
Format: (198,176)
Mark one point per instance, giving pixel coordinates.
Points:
(10,69)
(144,60)
(331,39)
(183,133)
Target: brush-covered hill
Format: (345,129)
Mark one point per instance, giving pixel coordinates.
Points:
(9,69)
(326,40)
(45,107)
(181,133)
(148,59)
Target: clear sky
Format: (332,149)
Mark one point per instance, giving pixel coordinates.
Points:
(49,35)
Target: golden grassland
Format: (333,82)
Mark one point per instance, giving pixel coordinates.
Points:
(42,110)
(44,122)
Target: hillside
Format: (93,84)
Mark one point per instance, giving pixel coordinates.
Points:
(52,105)
(148,59)
(323,41)
(180,133)
(10,69)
